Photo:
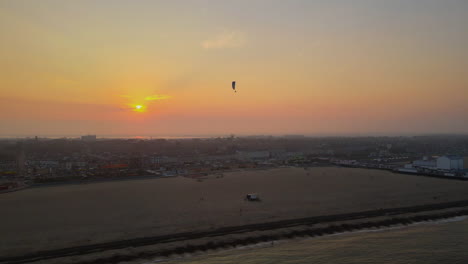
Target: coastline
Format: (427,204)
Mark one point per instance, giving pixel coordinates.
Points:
(438,241)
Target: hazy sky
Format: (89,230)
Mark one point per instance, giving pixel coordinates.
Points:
(304,67)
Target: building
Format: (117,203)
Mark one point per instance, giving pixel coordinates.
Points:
(425,163)
(8,165)
(20,159)
(88,138)
(450,162)
(69,165)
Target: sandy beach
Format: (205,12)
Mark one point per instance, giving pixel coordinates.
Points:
(69,215)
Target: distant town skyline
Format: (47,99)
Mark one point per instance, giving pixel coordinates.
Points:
(164,68)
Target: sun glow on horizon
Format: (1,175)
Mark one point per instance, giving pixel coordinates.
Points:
(142,104)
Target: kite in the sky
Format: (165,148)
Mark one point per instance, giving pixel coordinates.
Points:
(234,86)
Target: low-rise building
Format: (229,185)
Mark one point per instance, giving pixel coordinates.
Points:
(426,162)
(450,162)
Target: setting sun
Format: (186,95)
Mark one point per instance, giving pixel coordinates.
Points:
(139,108)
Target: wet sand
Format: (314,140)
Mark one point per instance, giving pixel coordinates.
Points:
(422,243)
(63,216)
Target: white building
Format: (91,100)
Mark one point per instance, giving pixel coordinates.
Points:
(450,162)
(425,163)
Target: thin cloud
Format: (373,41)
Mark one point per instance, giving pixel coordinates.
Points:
(157,97)
(231,39)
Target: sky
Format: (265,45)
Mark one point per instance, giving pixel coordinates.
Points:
(164,68)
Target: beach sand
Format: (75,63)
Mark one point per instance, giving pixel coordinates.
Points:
(70,215)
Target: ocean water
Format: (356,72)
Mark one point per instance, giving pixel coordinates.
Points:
(431,242)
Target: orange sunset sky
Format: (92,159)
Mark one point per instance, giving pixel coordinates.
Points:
(302,67)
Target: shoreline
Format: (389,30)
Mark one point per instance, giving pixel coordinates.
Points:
(238,250)
(228,237)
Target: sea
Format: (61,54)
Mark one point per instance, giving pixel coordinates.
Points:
(443,241)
